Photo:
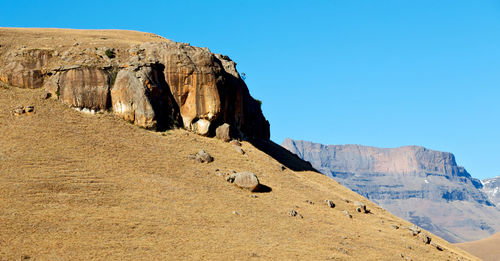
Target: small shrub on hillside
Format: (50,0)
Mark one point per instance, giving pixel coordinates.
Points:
(110,54)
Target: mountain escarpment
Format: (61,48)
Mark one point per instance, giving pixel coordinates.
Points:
(150,81)
(491,187)
(423,186)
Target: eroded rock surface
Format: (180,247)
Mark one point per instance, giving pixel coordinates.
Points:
(85,88)
(154,83)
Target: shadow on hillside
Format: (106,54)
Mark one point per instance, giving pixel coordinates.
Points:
(282,155)
(263,189)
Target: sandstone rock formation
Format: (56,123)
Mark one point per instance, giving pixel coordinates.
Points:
(423,186)
(150,81)
(492,189)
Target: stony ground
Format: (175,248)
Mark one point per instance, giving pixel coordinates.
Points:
(77,187)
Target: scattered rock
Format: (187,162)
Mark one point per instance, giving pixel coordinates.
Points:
(395,227)
(347,214)
(283,168)
(293,213)
(253,196)
(360,207)
(29,109)
(245,180)
(46,96)
(223,132)
(438,247)
(239,150)
(310,202)
(346,200)
(76,44)
(18,111)
(425,238)
(236,213)
(202,157)
(230,179)
(329,203)
(235,143)
(414,230)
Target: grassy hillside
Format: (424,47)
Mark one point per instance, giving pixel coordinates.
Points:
(77,186)
(487,249)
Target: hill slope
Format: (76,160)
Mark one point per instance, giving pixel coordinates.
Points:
(77,186)
(487,249)
(412,182)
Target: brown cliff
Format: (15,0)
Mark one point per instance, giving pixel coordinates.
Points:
(143,78)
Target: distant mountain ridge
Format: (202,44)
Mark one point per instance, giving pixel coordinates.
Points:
(424,186)
(491,187)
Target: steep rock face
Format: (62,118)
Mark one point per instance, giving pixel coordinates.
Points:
(84,88)
(423,186)
(154,83)
(207,89)
(141,96)
(491,187)
(24,67)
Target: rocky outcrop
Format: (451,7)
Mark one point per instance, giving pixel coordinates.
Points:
(84,88)
(141,96)
(491,187)
(25,68)
(154,84)
(423,186)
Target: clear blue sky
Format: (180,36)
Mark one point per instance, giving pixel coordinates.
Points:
(379,73)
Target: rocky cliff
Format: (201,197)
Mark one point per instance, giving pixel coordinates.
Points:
(148,80)
(491,187)
(423,186)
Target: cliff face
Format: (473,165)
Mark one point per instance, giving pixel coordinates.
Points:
(423,186)
(145,79)
(491,187)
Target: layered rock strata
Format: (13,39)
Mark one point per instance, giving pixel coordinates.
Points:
(423,186)
(152,82)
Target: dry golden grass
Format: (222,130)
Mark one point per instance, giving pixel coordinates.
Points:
(79,187)
(487,249)
(53,38)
